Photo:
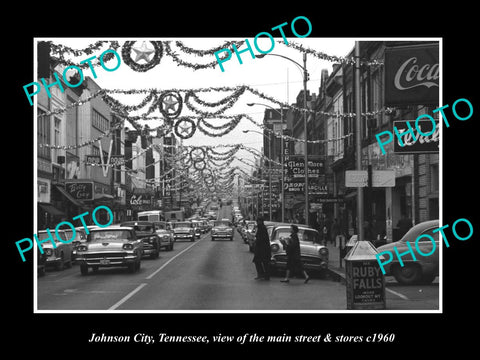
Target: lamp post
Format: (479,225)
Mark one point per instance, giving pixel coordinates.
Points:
(269,172)
(305,78)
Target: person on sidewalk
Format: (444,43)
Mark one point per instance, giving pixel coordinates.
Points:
(294,261)
(262,252)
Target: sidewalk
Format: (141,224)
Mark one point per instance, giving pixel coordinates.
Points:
(336,267)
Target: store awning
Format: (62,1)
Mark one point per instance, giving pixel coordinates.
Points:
(69,197)
(52,210)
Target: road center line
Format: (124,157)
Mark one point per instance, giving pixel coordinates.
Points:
(128,296)
(397,293)
(173,258)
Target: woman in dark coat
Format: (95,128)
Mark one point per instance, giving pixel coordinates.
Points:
(294,261)
(262,252)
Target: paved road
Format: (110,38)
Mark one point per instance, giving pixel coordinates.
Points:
(203,275)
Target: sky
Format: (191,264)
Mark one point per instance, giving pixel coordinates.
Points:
(273,76)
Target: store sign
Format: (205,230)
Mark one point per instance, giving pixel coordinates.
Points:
(412,75)
(295,167)
(417,143)
(80,190)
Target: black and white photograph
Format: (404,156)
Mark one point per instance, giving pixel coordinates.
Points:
(273,184)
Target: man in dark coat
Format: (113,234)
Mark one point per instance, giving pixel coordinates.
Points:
(294,261)
(262,252)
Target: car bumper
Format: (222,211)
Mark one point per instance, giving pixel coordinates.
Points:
(222,235)
(309,263)
(183,236)
(52,261)
(107,261)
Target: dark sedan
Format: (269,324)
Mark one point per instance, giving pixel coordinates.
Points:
(145,231)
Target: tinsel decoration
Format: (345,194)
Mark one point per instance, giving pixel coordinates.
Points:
(126,56)
(185,128)
(197,154)
(170,104)
(58,53)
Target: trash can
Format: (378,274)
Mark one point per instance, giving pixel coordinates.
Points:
(365,282)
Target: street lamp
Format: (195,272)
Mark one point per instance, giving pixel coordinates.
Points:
(269,171)
(305,77)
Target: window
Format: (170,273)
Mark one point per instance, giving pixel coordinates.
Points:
(434,178)
(43,135)
(100,122)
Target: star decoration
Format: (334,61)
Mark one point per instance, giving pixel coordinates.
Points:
(170,102)
(143,53)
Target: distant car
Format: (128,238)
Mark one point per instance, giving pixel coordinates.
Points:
(425,268)
(222,229)
(183,230)
(197,226)
(110,247)
(60,255)
(145,230)
(314,256)
(166,239)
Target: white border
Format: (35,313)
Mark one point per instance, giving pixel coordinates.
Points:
(141,285)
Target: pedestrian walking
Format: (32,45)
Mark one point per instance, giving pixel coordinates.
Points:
(294,261)
(262,252)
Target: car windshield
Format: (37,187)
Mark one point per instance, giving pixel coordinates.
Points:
(110,235)
(303,235)
(44,235)
(221,223)
(144,228)
(79,235)
(182,225)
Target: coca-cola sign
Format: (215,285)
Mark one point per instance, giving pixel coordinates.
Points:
(424,141)
(412,75)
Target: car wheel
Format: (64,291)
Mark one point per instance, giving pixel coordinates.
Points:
(137,265)
(408,274)
(231,239)
(171,247)
(84,269)
(95,268)
(132,267)
(192,239)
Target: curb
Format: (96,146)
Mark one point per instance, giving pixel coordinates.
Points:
(337,275)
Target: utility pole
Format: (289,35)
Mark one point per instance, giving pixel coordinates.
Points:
(358,139)
(305,75)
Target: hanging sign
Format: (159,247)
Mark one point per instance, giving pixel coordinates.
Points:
(412,75)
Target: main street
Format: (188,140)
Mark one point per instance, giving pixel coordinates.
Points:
(206,275)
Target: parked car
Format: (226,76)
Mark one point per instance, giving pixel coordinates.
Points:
(183,230)
(425,268)
(313,254)
(145,230)
(60,255)
(222,229)
(110,247)
(166,239)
